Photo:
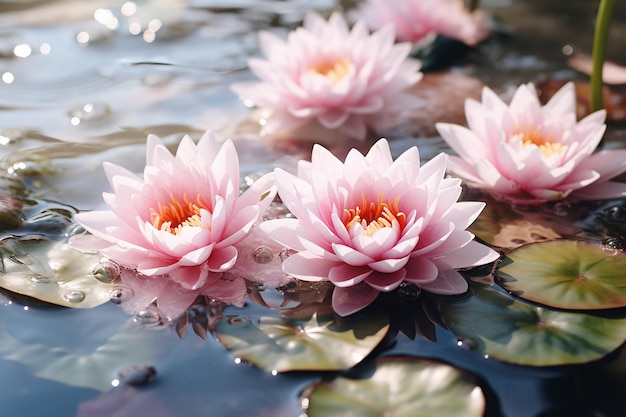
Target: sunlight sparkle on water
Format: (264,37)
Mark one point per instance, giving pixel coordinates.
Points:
(22,50)
(8,77)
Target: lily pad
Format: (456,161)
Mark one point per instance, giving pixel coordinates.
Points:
(279,344)
(496,325)
(96,369)
(399,387)
(567,274)
(52,272)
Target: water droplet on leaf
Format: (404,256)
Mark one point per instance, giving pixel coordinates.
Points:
(74,296)
(106,271)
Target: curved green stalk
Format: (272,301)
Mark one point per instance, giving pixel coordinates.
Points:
(599,47)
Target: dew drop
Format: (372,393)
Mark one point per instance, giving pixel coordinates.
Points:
(119,294)
(616,214)
(409,292)
(467,343)
(562,208)
(150,317)
(262,255)
(88,112)
(106,271)
(137,375)
(613,244)
(284,254)
(74,296)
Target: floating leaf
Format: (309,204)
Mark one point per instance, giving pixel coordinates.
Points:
(512,331)
(568,274)
(52,272)
(400,387)
(279,344)
(96,369)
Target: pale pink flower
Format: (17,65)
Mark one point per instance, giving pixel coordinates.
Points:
(416,20)
(184,218)
(369,224)
(528,153)
(344,79)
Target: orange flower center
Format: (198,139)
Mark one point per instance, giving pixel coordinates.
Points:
(532,136)
(176,214)
(334,71)
(373,216)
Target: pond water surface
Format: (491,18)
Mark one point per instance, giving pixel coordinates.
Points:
(79,88)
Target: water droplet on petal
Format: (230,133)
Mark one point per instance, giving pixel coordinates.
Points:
(150,317)
(74,296)
(137,375)
(119,294)
(88,112)
(409,291)
(262,255)
(106,271)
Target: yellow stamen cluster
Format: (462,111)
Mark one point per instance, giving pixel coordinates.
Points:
(547,147)
(334,71)
(374,216)
(173,216)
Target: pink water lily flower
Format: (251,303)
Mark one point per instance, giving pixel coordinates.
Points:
(416,20)
(344,79)
(371,223)
(184,218)
(528,153)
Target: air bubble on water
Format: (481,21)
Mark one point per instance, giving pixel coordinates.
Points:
(262,255)
(74,296)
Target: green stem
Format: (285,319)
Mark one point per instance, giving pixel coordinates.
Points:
(599,47)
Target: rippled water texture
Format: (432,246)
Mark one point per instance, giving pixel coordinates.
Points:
(82,82)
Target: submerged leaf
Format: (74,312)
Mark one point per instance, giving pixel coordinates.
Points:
(509,330)
(52,272)
(278,344)
(568,274)
(399,387)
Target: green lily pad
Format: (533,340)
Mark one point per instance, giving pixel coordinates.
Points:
(496,325)
(400,387)
(567,274)
(52,272)
(96,369)
(279,344)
